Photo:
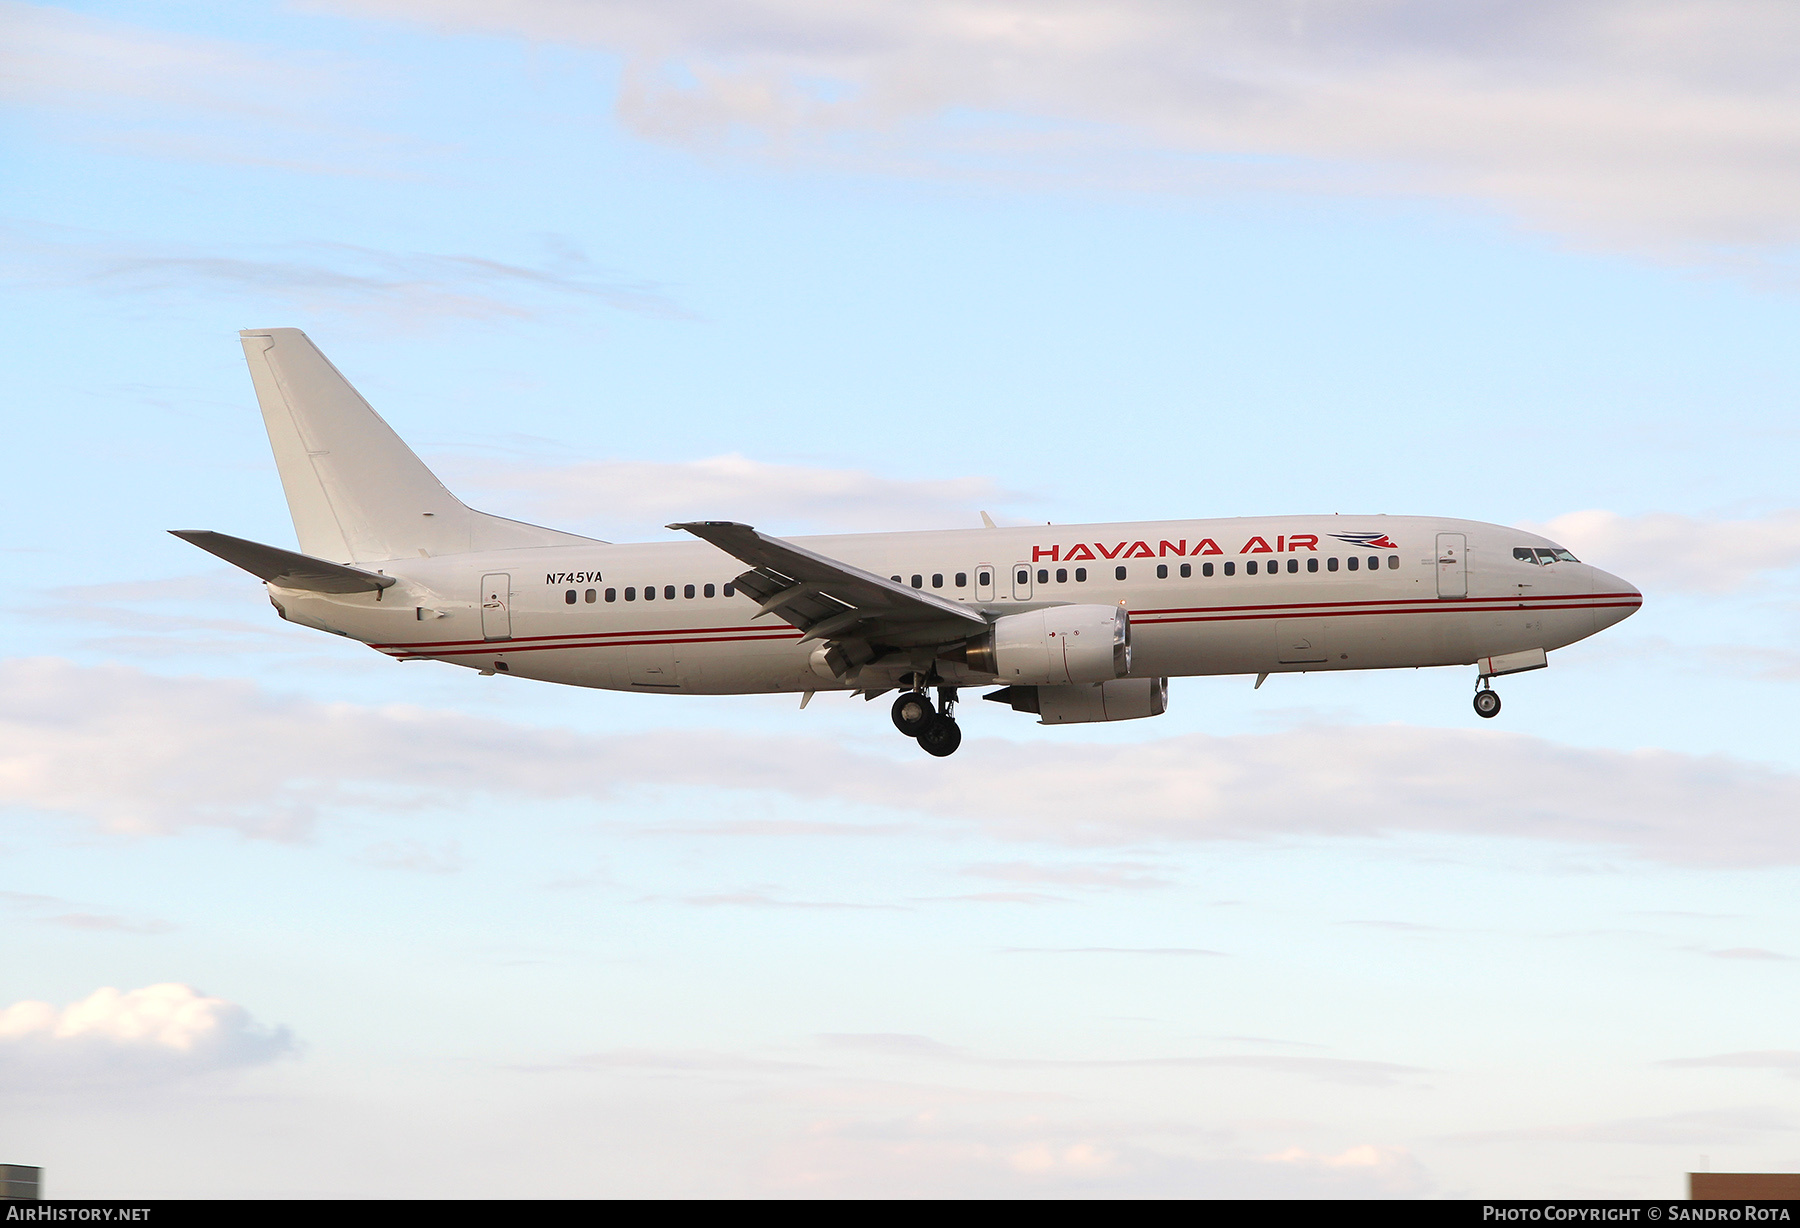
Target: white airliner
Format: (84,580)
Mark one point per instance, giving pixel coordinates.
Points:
(1075,623)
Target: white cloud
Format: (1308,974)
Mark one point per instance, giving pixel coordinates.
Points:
(783,498)
(104,922)
(153,92)
(1392,1167)
(1733,1125)
(1680,553)
(141,1035)
(935,1152)
(1649,121)
(50,55)
(1131,875)
(402,291)
(136,752)
(1785,1060)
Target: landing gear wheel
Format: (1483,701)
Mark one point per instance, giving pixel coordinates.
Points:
(941,737)
(912,713)
(1487,703)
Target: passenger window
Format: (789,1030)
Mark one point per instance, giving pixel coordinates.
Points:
(1393,562)
(1062,575)
(1330,564)
(897,580)
(728,590)
(1043,575)
(1374,562)
(1293,566)
(937,579)
(1312,564)
(918,581)
(1187,570)
(649,592)
(1081,575)
(1350,562)
(1118,573)
(631,594)
(569,597)
(983,579)
(669,591)
(707,591)
(612,594)
(962,579)
(1162,571)
(590,596)
(1250,568)
(1022,579)
(1206,569)
(1231,569)
(688,592)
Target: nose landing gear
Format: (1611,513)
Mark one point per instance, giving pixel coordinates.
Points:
(1487,701)
(936,730)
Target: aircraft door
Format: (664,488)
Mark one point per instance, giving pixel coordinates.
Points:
(1021,581)
(1452,565)
(1300,641)
(653,665)
(984,582)
(496,606)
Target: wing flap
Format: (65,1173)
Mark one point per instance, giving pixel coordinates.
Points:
(832,600)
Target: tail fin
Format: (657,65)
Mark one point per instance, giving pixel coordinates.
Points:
(357,493)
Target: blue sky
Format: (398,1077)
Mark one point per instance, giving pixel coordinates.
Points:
(280,908)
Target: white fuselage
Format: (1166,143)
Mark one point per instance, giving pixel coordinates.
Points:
(1427,592)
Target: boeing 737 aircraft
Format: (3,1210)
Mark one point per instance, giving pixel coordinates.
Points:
(1075,623)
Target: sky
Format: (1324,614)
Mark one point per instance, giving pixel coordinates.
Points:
(286,919)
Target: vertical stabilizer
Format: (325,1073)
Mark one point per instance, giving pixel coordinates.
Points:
(357,492)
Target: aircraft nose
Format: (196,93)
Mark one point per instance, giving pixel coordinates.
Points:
(1615,599)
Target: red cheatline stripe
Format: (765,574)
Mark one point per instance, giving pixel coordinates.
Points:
(504,648)
(576,635)
(1446,608)
(1433,601)
(1221,613)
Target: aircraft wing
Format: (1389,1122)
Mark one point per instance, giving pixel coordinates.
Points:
(830,600)
(284,567)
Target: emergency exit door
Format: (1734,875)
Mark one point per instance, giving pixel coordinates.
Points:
(1021,581)
(1452,565)
(496,606)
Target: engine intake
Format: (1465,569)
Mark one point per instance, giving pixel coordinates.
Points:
(1056,646)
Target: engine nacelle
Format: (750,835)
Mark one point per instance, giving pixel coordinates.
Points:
(1058,645)
(1122,699)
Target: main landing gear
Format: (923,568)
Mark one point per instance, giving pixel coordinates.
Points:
(936,729)
(1487,700)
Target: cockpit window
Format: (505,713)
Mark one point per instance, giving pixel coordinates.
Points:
(1543,554)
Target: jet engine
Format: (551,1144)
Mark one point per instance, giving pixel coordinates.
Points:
(1058,645)
(1122,699)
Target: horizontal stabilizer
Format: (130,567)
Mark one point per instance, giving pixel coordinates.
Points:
(284,567)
